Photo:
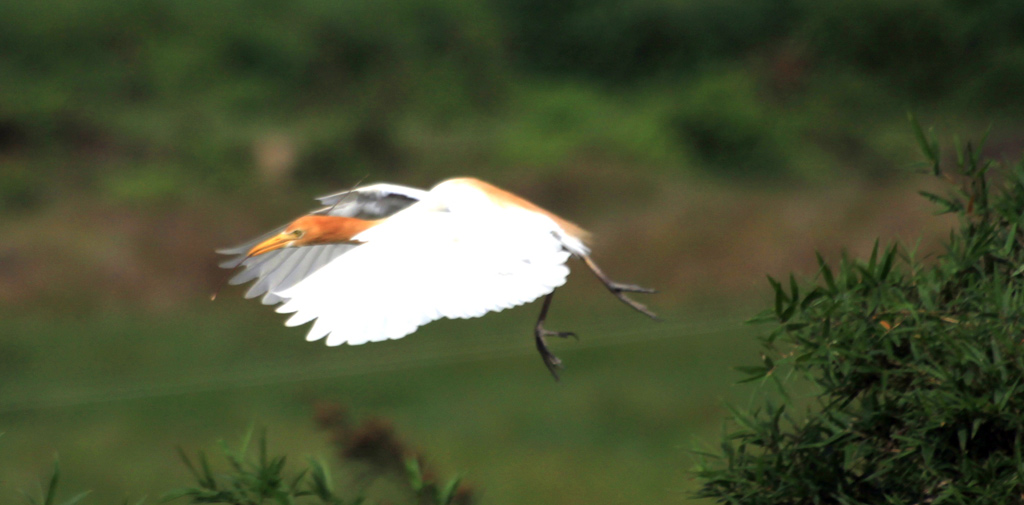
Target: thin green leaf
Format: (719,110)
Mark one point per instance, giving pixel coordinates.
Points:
(1011,237)
(262,443)
(297,480)
(208,480)
(188,464)
(415,475)
(949,205)
(175,494)
(77,498)
(981,144)
(887,262)
(922,141)
(867,275)
(874,257)
(758,370)
(51,489)
(447,493)
(322,483)
(788,313)
(826,273)
(29,497)
(780,296)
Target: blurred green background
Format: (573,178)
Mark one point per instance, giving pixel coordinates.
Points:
(705,143)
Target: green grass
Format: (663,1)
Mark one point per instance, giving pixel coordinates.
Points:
(113,394)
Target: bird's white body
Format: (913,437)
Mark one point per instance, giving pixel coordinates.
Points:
(460,250)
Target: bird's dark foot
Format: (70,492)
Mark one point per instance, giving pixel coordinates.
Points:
(544,332)
(618,289)
(550,360)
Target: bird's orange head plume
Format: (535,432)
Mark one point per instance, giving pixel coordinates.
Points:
(313,230)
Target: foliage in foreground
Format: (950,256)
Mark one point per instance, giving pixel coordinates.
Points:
(919,367)
(49,495)
(254,477)
(264,478)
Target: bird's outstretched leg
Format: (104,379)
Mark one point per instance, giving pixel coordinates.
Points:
(618,289)
(539,332)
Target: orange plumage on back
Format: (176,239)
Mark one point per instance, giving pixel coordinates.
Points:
(502,197)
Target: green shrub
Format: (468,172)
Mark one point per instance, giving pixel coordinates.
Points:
(918,367)
(254,477)
(49,495)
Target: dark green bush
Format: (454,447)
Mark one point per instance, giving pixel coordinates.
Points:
(918,367)
(923,49)
(622,42)
(913,44)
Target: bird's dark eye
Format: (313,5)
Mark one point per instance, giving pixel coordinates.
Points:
(298,233)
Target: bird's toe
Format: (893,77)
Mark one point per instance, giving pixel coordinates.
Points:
(631,288)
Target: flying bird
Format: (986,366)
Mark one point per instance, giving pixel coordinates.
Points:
(379,261)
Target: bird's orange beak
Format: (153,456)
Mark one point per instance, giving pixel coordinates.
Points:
(271,244)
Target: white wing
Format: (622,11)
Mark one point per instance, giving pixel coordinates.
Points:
(420,266)
(283,268)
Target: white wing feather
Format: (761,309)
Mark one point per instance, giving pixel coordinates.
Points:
(281,269)
(417,267)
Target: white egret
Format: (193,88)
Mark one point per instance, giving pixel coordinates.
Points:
(379,261)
